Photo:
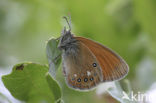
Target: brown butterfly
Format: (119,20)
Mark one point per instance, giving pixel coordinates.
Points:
(87,63)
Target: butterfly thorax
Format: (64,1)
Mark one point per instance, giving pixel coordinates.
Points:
(68,44)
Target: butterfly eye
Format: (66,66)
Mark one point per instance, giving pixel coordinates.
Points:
(94,64)
(85,79)
(91,79)
(79,80)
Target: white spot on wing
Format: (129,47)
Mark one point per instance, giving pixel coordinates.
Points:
(88,73)
(75,75)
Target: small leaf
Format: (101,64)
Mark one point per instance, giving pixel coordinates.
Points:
(27,82)
(54,87)
(53,55)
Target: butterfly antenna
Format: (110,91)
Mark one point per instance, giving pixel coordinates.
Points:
(68,22)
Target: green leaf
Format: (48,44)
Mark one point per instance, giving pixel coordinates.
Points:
(54,87)
(53,55)
(27,82)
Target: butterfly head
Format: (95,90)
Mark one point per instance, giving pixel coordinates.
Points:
(67,40)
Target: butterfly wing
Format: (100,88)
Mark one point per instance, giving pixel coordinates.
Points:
(113,66)
(81,68)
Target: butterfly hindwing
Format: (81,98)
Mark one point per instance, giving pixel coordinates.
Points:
(113,66)
(81,68)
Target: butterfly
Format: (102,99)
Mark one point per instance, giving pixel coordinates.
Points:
(87,63)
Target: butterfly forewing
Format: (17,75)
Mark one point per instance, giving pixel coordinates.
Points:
(113,66)
(81,68)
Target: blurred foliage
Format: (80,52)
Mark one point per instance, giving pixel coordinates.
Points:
(126,26)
